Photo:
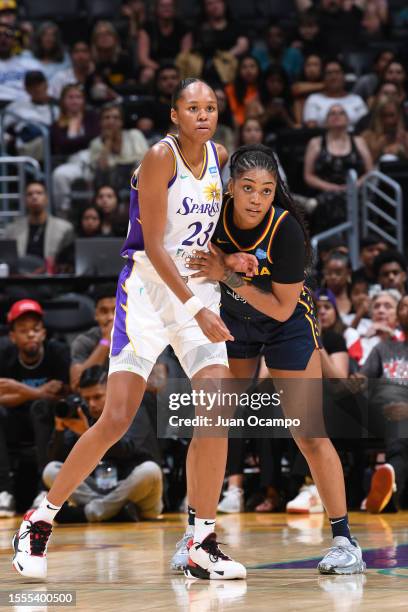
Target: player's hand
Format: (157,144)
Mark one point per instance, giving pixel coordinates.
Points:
(209,265)
(107,330)
(213,326)
(242,262)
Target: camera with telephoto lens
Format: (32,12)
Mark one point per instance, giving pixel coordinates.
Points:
(67,408)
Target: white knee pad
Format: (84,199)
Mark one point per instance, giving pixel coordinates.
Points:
(127,361)
(203,356)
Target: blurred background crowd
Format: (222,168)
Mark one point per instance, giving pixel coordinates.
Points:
(85,89)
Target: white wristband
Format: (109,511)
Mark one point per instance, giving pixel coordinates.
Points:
(193,305)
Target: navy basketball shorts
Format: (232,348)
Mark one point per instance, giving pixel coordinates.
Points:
(285,346)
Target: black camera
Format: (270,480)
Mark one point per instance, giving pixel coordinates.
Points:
(67,408)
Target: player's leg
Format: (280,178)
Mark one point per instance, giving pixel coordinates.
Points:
(302,399)
(206,462)
(123,397)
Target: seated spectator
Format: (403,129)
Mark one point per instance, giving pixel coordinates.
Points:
(337,278)
(367,84)
(134,11)
(90,222)
(219,41)
(388,400)
(308,38)
(328,159)
(39,233)
(114,73)
(244,89)
(317,105)
(370,247)
(385,91)
(386,136)
(37,108)
(276,52)
(374,22)
(396,73)
(359,316)
(107,154)
(154,119)
(251,132)
(128,475)
(161,40)
(309,82)
(33,372)
(274,108)
(13,67)
(115,147)
(81,68)
(114,215)
(92,347)
(224,133)
(76,125)
(390,270)
(48,50)
(340,24)
(383,314)
(335,359)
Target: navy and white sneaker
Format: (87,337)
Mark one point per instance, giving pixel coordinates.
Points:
(342,558)
(30,547)
(208,562)
(179,560)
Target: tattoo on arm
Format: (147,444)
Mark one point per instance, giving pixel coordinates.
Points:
(232,279)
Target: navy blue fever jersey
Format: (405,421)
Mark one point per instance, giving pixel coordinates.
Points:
(278,244)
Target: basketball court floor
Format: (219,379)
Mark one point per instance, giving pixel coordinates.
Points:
(125,567)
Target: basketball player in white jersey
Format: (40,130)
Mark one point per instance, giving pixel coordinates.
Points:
(176,199)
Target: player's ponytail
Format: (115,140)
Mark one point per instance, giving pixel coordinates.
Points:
(250,157)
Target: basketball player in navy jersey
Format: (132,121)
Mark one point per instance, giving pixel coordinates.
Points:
(175,205)
(272,313)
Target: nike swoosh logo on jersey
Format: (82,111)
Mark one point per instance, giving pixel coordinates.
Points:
(183,176)
(222,241)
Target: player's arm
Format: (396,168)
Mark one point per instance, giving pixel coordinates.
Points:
(155,173)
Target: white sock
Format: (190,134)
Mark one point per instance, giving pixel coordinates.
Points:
(203,528)
(46,511)
(189,530)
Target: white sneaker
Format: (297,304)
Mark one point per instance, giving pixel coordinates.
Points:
(30,547)
(7,504)
(306,502)
(38,500)
(208,562)
(179,560)
(233,501)
(342,558)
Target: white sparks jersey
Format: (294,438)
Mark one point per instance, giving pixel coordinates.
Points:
(194,206)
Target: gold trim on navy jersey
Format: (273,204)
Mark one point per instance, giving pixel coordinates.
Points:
(174,139)
(258,241)
(278,222)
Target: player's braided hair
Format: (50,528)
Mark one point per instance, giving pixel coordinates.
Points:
(258,156)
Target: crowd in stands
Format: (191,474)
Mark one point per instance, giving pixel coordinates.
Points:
(328,76)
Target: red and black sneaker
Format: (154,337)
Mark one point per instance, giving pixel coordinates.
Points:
(30,547)
(208,562)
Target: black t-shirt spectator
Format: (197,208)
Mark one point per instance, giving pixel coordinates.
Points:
(207,40)
(342,30)
(116,73)
(165,47)
(333,342)
(54,365)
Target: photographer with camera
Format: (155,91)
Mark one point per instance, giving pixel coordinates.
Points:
(127,482)
(33,375)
